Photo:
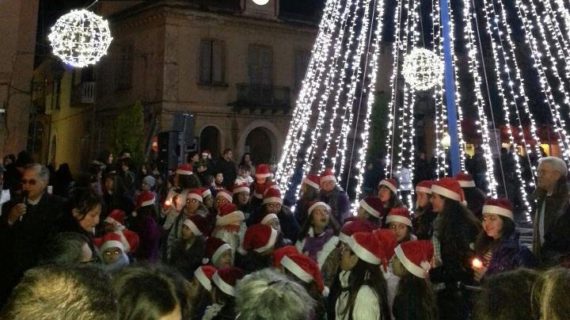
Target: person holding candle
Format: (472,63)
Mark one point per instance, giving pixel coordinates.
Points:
(497,247)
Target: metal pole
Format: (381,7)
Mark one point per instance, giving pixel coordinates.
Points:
(450,90)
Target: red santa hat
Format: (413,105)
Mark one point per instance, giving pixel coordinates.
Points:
(130,240)
(465,180)
(391,184)
(401,215)
(262,171)
(388,241)
(215,247)
(424,186)
(146,198)
(225,279)
(327,175)
(206,153)
(351,227)
(195,194)
(198,225)
(278,254)
(373,206)
(229,214)
(206,193)
(259,238)
(305,269)
(204,276)
(501,207)
(313,180)
(448,188)
(416,256)
(316,204)
(185,169)
(366,247)
(225,194)
(112,240)
(272,195)
(117,216)
(242,187)
(268,218)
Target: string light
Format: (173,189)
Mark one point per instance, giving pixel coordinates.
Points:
(80,38)
(422,69)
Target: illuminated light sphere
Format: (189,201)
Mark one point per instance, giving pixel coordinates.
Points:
(80,38)
(422,69)
(261,2)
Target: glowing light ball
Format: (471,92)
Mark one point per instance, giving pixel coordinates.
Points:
(261,2)
(422,69)
(80,38)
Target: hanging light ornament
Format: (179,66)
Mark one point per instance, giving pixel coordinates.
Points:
(80,38)
(422,69)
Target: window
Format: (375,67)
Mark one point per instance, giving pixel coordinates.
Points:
(260,65)
(302,58)
(212,62)
(124,74)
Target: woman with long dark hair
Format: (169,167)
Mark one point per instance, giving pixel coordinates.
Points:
(455,230)
(423,216)
(497,246)
(362,293)
(388,194)
(317,237)
(84,210)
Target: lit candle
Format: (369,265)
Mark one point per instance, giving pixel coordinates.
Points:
(476,263)
(168,203)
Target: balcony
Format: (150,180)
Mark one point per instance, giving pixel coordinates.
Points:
(262,97)
(83,93)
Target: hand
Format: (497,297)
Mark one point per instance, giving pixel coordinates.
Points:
(16,213)
(479,273)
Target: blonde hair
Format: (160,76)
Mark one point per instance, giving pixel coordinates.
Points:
(550,295)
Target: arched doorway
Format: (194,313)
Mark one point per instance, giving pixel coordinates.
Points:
(259,143)
(210,140)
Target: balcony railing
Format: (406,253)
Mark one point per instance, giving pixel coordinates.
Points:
(264,97)
(84,93)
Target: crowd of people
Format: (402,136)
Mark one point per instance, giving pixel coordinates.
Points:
(215,240)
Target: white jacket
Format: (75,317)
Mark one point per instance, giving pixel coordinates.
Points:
(366,305)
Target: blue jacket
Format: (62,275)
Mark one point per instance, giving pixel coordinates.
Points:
(510,255)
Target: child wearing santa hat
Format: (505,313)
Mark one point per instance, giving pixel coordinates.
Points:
(230,225)
(218,253)
(371,209)
(273,207)
(415,298)
(223,294)
(388,194)
(257,247)
(332,194)
(200,292)
(423,215)
(187,252)
(263,181)
(113,252)
(399,221)
(310,187)
(146,226)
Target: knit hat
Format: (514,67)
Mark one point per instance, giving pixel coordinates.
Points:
(262,171)
(449,188)
(259,238)
(465,180)
(229,214)
(351,227)
(327,175)
(501,207)
(278,254)
(112,240)
(146,198)
(305,269)
(388,242)
(204,276)
(391,184)
(149,181)
(215,247)
(242,187)
(401,215)
(184,169)
(195,194)
(206,193)
(315,204)
(424,186)
(313,180)
(372,205)
(225,279)
(415,256)
(117,216)
(366,247)
(198,225)
(226,194)
(272,195)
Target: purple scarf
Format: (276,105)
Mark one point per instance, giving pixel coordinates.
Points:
(314,245)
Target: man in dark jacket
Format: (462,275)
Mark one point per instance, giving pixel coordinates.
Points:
(26,225)
(552,202)
(228,168)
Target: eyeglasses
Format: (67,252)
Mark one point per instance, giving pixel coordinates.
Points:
(31,182)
